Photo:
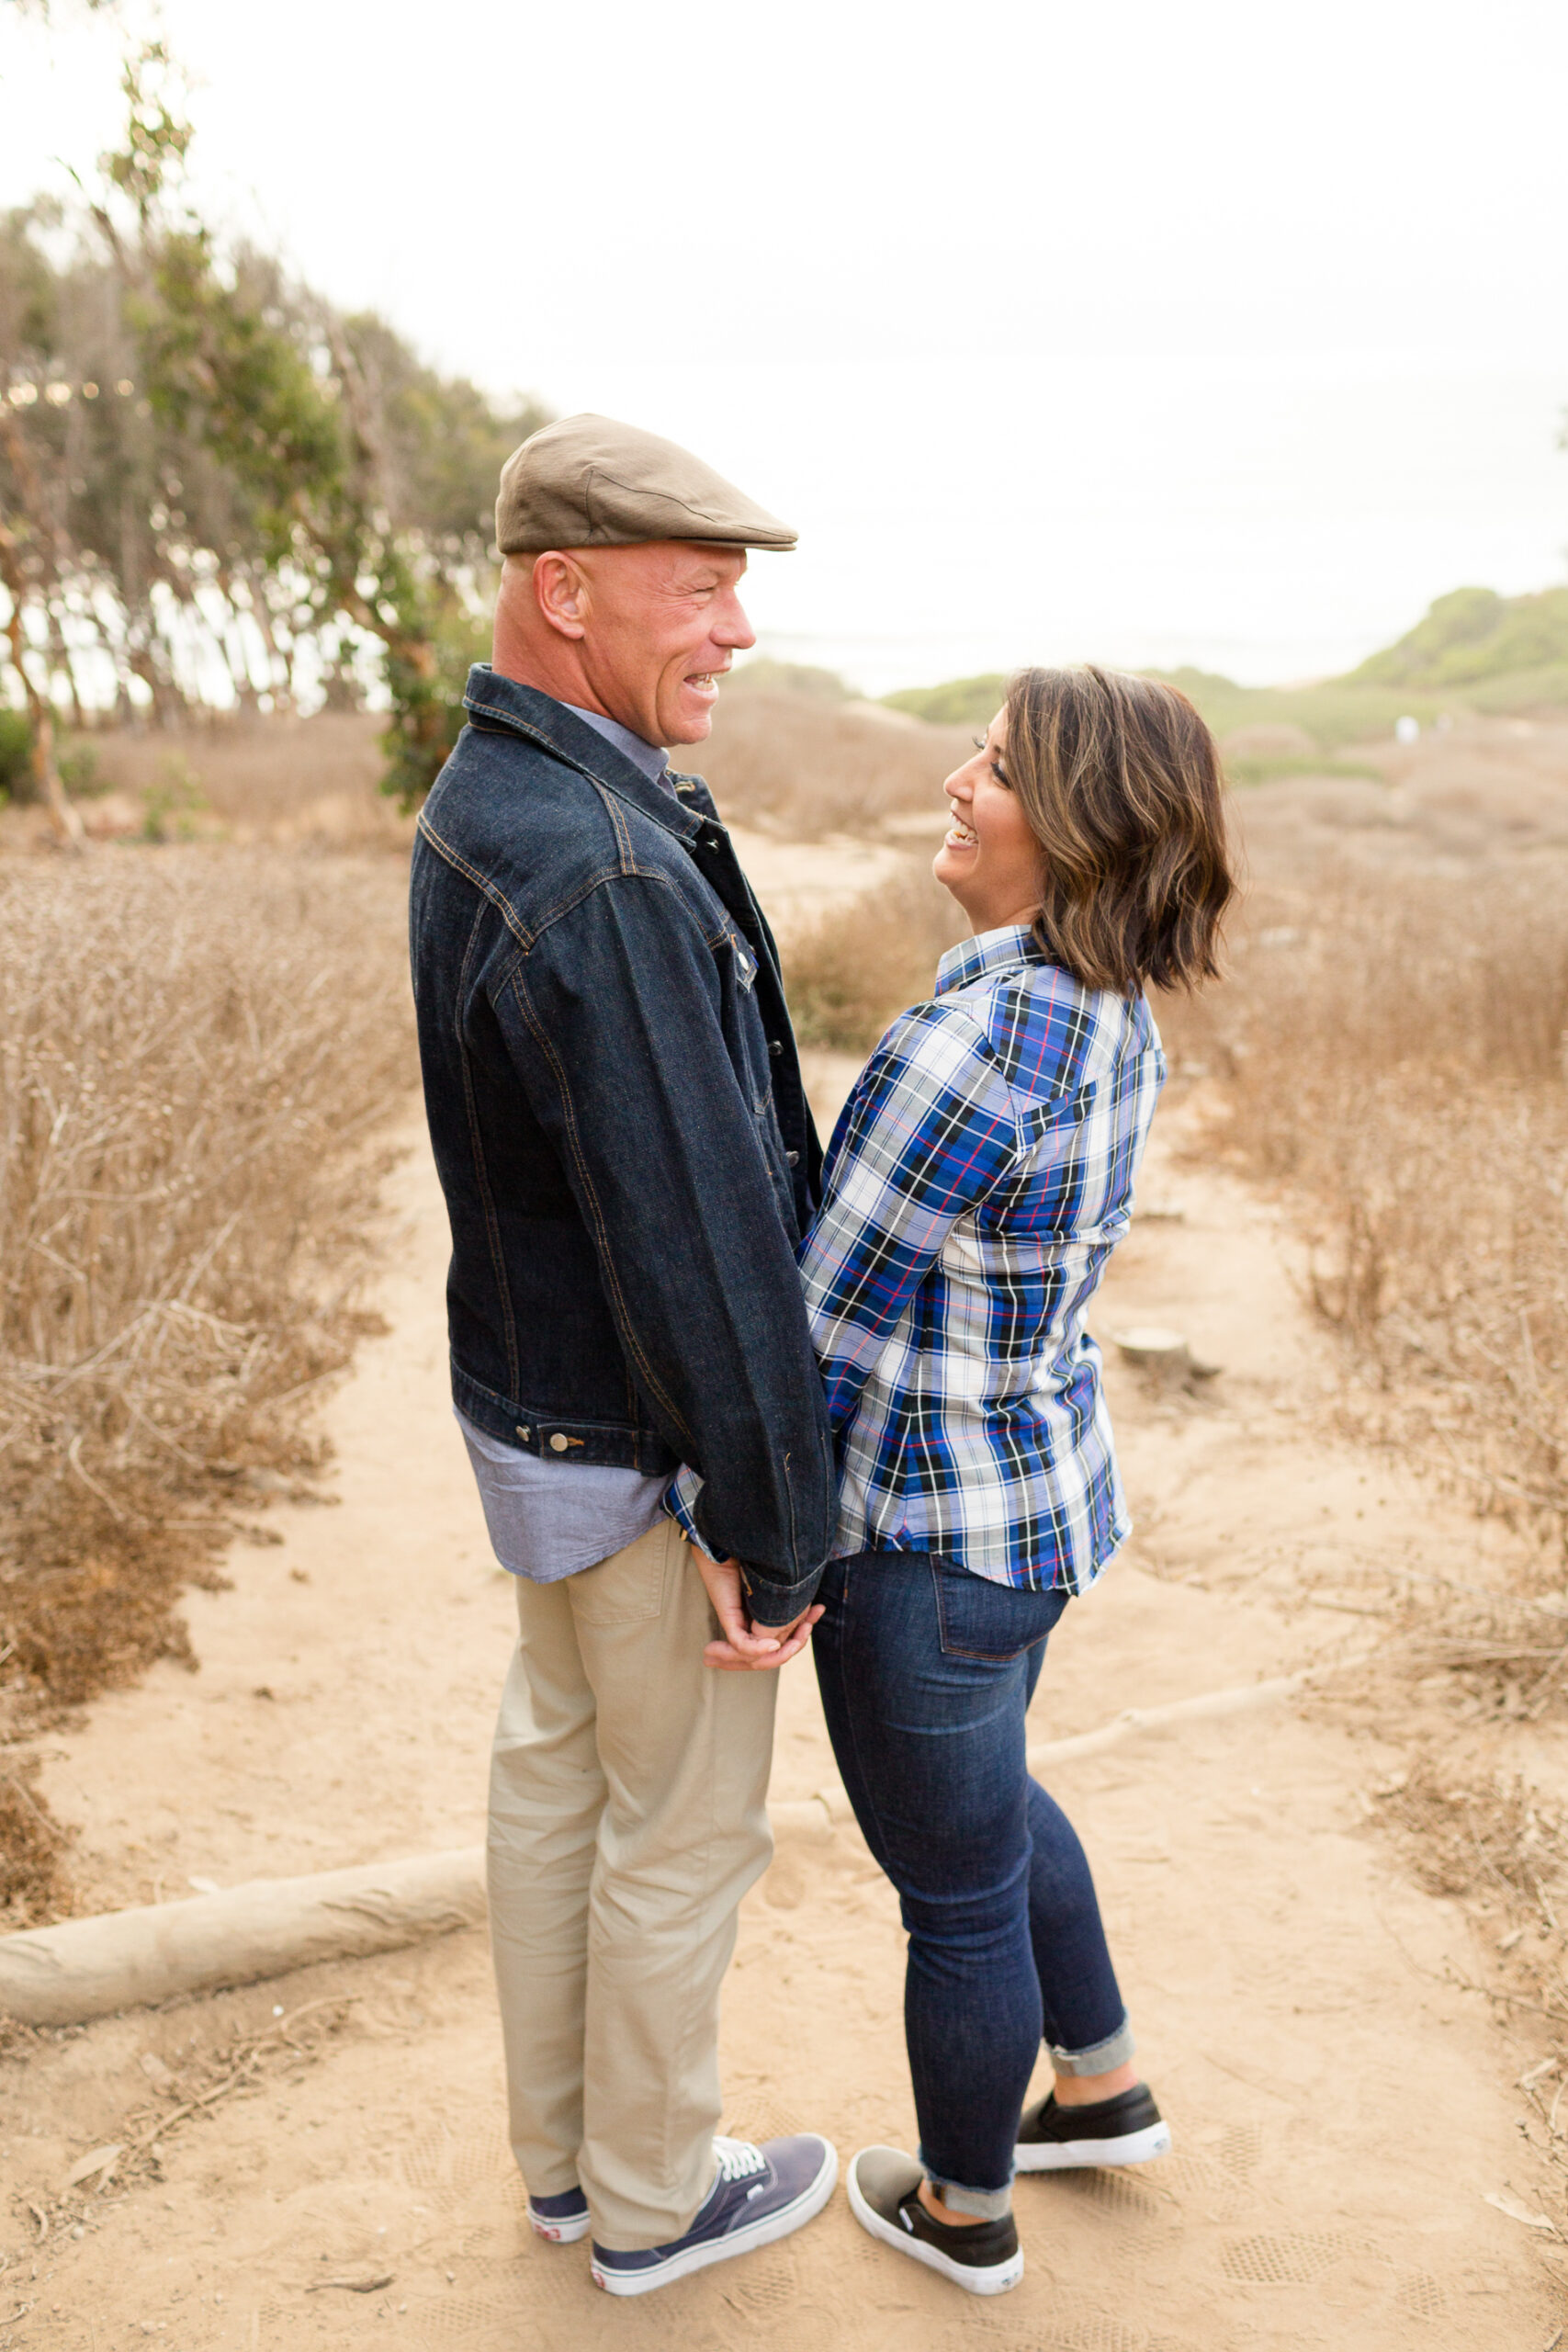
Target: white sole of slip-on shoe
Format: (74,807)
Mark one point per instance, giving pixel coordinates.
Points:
(995,2279)
(746,2240)
(1069,2156)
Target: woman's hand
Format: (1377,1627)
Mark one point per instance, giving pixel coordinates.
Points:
(744,1648)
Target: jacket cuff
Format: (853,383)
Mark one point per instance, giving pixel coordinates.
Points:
(769,1603)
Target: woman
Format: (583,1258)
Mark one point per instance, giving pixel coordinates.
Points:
(978,1179)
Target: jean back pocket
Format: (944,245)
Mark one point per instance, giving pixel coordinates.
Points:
(992,1623)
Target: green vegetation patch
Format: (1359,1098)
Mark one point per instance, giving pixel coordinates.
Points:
(1472,635)
(962,702)
(1242,770)
(1474,650)
(15,756)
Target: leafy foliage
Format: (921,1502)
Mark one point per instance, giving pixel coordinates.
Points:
(211,478)
(15,753)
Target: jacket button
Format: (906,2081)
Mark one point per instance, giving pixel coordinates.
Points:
(558,1444)
(774,1046)
(793,1158)
(523,1432)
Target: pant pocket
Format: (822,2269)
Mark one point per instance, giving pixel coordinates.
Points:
(992,1623)
(631,1586)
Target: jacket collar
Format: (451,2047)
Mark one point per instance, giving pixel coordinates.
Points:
(493,701)
(988,951)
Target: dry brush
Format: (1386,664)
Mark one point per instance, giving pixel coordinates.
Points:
(198,1050)
(1393,1059)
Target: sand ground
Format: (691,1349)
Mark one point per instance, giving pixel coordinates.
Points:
(1342,2108)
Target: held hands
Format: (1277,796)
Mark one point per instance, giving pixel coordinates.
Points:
(745,1649)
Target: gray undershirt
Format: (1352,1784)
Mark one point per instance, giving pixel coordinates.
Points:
(549,1519)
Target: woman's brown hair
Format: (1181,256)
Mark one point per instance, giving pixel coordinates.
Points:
(1120,780)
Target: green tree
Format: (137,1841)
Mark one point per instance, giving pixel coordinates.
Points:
(202,462)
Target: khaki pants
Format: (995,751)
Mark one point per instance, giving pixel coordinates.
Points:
(627,1819)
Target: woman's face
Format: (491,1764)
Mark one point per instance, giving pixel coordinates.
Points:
(990,860)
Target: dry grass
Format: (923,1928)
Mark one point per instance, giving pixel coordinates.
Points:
(311,783)
(1479,1836)
(802,768)
(850,973)
(1489,1841)
(197,1048)
(33,1878)
(1394,1058)
(782,761)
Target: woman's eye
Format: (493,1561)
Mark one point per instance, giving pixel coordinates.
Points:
(978,741)
(1000,773)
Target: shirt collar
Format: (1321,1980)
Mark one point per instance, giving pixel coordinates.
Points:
(644,755)
(988,951)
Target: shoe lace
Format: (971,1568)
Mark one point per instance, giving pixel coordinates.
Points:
(739,2159)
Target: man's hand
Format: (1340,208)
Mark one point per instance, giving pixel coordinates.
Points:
(745,1649)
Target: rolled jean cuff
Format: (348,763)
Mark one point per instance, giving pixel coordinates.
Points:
(1102,2059)
(980,2204)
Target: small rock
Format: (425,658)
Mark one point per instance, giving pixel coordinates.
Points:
(1164,1355)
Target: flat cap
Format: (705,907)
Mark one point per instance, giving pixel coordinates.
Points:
(587,481)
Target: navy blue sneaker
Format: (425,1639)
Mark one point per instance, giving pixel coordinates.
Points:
(563,2220)
(760,2194)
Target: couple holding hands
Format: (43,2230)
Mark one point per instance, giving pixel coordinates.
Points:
(725,1400)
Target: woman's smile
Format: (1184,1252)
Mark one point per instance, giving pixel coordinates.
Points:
(989,858)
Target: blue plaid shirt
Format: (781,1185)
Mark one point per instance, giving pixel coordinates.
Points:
(980,1177)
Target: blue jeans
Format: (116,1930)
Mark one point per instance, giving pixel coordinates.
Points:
(925,1672)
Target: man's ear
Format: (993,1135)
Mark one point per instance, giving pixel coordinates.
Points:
(560,591)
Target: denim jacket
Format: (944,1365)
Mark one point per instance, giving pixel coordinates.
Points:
(620,1130)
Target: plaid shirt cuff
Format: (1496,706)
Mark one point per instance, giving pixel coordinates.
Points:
(681,1502)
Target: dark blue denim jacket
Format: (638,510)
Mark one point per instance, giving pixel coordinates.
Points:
(619,1125)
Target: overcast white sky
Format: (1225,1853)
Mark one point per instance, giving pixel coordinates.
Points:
(1226,333)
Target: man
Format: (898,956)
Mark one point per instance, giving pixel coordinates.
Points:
(618,1122)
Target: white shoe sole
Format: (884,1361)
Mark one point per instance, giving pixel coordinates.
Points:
(1068,2155)
(777,2224)
(994,2281)
(560,2232)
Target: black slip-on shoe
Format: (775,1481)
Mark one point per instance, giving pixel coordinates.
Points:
(983,2257)
(1126,2130)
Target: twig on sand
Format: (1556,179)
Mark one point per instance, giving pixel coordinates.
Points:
(244,2068)
(355,2286)
(1515,2000)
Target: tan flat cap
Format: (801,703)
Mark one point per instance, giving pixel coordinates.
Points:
(589,482)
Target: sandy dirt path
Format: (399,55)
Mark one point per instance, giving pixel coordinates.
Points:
(1341,2111)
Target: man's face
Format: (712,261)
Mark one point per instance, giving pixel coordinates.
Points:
(660,626)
